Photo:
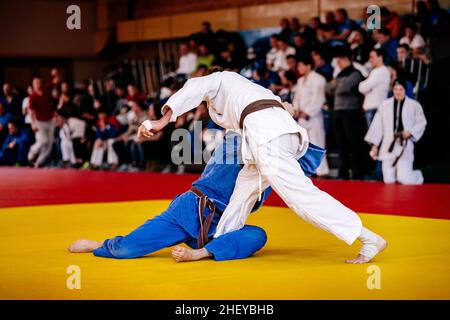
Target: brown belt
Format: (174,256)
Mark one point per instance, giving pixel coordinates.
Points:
(403,143)
(256,106)
(205,223)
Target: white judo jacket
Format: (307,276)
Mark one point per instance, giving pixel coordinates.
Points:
(227,94)
(381,129)
(310,98)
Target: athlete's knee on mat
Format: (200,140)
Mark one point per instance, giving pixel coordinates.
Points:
(405,176)
(257,235)
(389,178)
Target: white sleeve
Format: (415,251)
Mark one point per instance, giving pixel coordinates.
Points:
(420,123)
(189,97)
(367,85)
(375,133)
(296,100)
(318,98)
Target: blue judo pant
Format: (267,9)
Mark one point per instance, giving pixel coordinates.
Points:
(179,224)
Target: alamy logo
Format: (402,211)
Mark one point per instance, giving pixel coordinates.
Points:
(374,280)
(73,21)
(374,18)
(74,279)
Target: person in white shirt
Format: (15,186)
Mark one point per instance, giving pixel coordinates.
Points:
(376,87)
(188,60)
(271,55)
(70,128)
(412,38)
(284,50)
(308,101)
(398,124)
(272,142)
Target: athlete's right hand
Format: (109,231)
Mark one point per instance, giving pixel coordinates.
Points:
(143,133)
(374,153)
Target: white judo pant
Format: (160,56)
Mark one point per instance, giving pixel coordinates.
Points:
(99,151)
(276,162)
(45,136)
(403,171)
(67,152)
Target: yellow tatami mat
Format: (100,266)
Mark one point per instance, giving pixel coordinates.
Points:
(298,261)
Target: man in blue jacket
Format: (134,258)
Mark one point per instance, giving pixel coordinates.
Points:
(192,217)
(15,147)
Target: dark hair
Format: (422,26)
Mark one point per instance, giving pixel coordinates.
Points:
(290,76)
(342,52)
(343,12)
(404,46)
(307,60)
(380,52)
(291,56)
(16,122)
(385,31)
(399,81)
(384,12)
(411,26)
(301,35)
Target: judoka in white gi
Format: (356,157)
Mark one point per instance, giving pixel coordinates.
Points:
(397,125)
(272,143)
(308,101)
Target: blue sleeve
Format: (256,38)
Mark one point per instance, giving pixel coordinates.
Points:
(7,141)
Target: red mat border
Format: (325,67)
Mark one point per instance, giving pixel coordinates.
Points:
(32,187)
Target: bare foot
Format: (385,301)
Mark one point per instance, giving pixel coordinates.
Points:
(84,245)
(374,248)
(181,254)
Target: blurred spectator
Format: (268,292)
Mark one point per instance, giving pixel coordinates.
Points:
(285,32)
(347,116)
(109,98)
(26,108)
(134,95)
(130,152)
(412,38)
(42,111)
(436,13)
(10,100)
(289,82)
(272,53)
(188,60)
(321,65)
(206,35)
(14,149)
(396,74)
(284,50)
(204,56)
(330,21)
(359,45)
(391,21)
(383,38)
(376,87)
(301,45)
(344,24)
(308,101)
(71,136)
(5,118)
(107,128)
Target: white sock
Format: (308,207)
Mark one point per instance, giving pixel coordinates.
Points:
(369,240)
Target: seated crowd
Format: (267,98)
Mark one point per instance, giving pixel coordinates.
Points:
(335,72)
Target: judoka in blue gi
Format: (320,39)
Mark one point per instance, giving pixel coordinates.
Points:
(188,217)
